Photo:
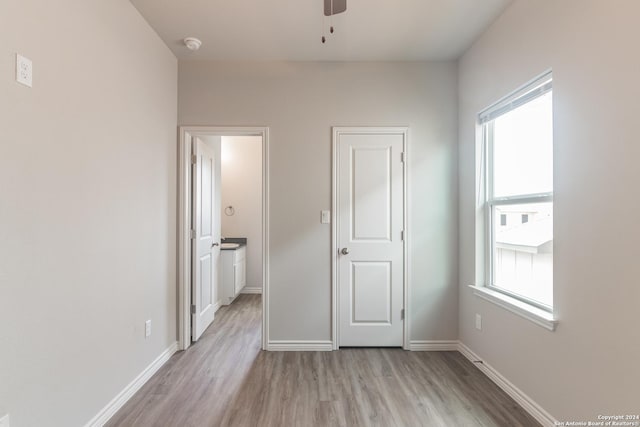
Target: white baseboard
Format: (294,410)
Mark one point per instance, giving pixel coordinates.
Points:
(433,345)
(118,402)
(216,306)
(528,404)
(251,290)
(299,346)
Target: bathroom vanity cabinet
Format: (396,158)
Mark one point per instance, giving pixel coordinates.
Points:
(234,273)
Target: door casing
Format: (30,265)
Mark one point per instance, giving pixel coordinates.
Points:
(335,300)
(184,223)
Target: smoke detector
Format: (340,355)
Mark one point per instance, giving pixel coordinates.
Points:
(192,43)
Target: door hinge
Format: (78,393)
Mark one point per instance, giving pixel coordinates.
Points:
(194,159)
(402,235)
(402,157)
(192,234)
(193,309)
(402,314)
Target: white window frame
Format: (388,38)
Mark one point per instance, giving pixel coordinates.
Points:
(533,310)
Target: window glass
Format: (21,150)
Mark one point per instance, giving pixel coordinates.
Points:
(523,149)
(523,251)
(518,134)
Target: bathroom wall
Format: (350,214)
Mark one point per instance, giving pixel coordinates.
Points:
(242,189)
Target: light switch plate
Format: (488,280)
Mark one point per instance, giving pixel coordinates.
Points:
(325,217)
(478,322)
(4,421)
(147,328)
(24,70)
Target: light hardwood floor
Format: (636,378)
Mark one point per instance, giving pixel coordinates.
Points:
(225,380)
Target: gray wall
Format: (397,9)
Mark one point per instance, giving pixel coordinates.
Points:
(300,102)
(87,206)
(588,366)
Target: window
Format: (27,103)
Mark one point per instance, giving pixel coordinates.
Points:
(518,144)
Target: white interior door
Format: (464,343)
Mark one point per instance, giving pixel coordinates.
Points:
(370,221)
(206,241)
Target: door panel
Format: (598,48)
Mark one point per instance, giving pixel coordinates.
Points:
(371,292)
(206,269)
(371,192)
(206,194)
(369,225)
(206,249)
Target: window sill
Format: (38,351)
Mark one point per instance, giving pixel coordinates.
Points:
(522,309)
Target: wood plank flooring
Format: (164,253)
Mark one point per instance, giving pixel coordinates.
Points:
(225,380)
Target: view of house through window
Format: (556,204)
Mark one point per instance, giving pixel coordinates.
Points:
(519,206)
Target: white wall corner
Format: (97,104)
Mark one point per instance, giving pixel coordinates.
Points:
(443,345)
(528,404)
(123,397)
(300,346)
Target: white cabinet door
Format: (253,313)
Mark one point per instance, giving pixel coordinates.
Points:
(237,278)
(228,277)
(240,270)
(370,261)
(234,273)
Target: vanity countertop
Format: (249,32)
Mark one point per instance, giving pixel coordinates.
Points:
(240,241)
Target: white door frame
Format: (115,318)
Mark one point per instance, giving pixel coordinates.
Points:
(335,208)
(184,215)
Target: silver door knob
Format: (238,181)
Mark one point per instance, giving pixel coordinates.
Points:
(345,251)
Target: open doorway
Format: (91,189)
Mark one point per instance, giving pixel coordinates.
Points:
(241,211)
(232,165)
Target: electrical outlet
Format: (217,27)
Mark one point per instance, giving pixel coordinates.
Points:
(478,322)
(147,328)
(24,70)
(4,421)
(325,217)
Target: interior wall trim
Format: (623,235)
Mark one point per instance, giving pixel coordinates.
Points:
(527,403)
(184,225)
(300,346)
(433,345)
(127,393)
(337,131)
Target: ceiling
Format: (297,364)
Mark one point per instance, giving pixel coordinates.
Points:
(291,30)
